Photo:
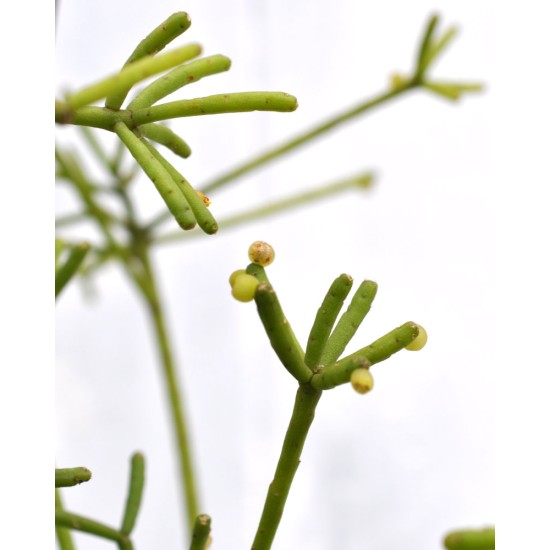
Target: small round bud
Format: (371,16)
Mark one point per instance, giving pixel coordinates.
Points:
(420,341)
(234,275)
(244,287)
(397,81)
(261,253)
(361,380)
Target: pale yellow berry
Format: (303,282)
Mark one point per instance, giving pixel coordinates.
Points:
(234,275)
(244,287)
(261,253)
(361,380)
(420,341)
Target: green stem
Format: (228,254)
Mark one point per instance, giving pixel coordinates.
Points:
(157,173)
(325,319)
(135,491)
(240,102)
(87,525)
(179,77)
(289,460)
(470,539)
(349,322)
(64,536)
(175,400)
(201,533)
(316,131)
(380,350)
(425,46)
(69,477)
(200,212)
(66,272)
(360,181)
(163,135)
(280,333)
(153,43)
(132,74)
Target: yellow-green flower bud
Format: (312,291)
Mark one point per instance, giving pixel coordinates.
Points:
(234,275)
(420,341)
(244,287)
(261,253)
(361,380)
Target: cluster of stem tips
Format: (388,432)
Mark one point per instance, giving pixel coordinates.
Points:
(139,126)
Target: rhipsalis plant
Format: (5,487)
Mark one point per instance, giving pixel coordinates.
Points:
(127,239)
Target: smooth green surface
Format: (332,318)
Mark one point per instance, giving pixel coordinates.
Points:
(64,536)
(471,539)
(87,525)
(135,492)
(325,319)
(153,43)
(132,74)
(201,213)
(340,372)
(280,333)
(165,136)
(201,532)
(69,477)
(66,272)
(349,322)
(158,174)
(425,46)
(179,77)
(289,460)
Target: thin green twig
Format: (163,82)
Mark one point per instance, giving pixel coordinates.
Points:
(153,43)
(361,181)
(325,319)
(380,350)
(69,477)
(175,399)
(303,138)
(135,491)
(289,460)
(201,533)
(349,322)
(132,74)
(67,271)
(87,525)
(280,333)
(64,536)
(471,539)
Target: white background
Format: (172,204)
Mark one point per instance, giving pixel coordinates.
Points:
(395,468)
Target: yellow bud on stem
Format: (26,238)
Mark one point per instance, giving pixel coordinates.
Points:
(420,341)
(361,380)
(244,287)
(234,276)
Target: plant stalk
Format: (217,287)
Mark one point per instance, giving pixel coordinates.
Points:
(300,422)
(149,290)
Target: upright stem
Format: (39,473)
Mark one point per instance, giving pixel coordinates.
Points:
(64,536)
(302,417)
(151,296)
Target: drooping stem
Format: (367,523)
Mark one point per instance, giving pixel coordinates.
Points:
(175,399)
(300,422)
